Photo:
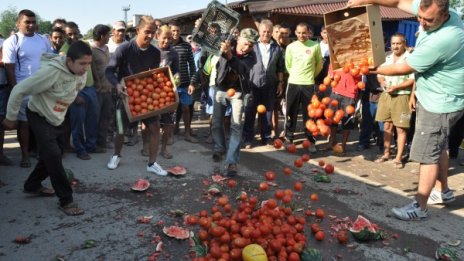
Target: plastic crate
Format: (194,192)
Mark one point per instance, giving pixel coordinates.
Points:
(156,111)
(217,24)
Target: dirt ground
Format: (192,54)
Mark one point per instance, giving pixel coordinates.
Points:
(359,186)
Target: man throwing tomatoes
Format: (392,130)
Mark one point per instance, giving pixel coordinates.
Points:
(438,61)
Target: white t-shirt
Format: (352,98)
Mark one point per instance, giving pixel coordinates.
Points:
(2,70)
(324,49)
(112,45)
(28,49)
(265,50)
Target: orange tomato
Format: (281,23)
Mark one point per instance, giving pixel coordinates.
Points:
(261,109)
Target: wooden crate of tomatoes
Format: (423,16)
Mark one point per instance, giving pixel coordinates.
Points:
(355,34)
(149,94)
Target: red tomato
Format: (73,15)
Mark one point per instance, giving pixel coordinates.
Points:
(270,175)
(320,235)
(298,186)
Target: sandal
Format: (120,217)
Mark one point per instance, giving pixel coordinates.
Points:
(166,155)
(398,164)
(381,159)
(42,192)
(72,209)
(25,163)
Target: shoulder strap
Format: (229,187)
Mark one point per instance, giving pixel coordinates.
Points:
(17,51)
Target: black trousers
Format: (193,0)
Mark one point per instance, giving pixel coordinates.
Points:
(296,96)
(49,138)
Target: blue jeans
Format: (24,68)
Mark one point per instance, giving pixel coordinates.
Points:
(368,124)
(84,120)
(217,128)
(265,96)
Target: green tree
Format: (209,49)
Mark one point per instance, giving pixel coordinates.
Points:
(45,27)
(8,21)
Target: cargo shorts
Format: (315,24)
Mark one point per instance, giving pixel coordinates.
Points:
(431,134)
(394,108)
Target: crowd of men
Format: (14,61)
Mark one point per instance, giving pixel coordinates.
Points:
(65,89)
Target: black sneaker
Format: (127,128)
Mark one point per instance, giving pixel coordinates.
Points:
(232,170)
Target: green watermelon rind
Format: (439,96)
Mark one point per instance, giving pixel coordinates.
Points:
(311,254)
(363,230)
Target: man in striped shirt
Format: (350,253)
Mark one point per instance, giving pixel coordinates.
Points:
(187,80)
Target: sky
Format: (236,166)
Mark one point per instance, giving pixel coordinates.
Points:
(87,13)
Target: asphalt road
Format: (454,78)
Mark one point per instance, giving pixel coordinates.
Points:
(358,187)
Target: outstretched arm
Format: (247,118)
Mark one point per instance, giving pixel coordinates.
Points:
(405,5)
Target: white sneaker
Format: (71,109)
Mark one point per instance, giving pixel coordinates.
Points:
(114,162)
(437,197)
(157,169)
(409,212)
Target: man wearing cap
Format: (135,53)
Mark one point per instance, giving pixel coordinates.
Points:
(303,60)
(233,70)
(119,31)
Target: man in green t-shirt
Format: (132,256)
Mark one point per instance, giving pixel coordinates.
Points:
(303,60)
(438,61)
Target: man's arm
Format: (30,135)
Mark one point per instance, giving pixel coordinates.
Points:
(405,5)
(10,74)
(394,69)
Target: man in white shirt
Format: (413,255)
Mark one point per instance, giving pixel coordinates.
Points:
(117,38)
(21,56)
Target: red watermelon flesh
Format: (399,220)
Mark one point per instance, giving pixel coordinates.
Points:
(141,185)
(177,170)
(176,232)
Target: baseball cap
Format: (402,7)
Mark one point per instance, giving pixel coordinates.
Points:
(250,34)
(118,25)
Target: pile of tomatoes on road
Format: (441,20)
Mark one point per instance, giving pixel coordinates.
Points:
(149,93)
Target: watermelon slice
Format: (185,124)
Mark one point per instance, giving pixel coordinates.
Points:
(177,170)
(141,185)
(363,230)
(176,232)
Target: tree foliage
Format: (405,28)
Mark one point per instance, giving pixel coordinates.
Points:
(8,19)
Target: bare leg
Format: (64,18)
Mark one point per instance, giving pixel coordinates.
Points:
(345,136)
(428,174)
(118,142)
(187,123)
(442,181)
(145,139)
(387,138)
(168,130)
(401,142)
(154,129)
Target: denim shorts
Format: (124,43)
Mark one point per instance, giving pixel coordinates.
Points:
(431,134)
(184,97)
(4,94)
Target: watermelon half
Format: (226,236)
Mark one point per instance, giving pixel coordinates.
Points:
(363,230)
(177,170)
(176,232)
(141,185)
